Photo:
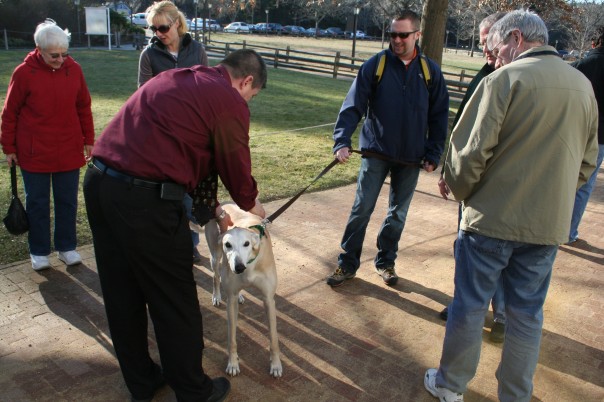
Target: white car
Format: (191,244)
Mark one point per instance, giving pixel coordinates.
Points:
(140,19)
(237,27)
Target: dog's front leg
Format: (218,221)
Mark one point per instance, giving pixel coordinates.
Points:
(232,314)
(276,369)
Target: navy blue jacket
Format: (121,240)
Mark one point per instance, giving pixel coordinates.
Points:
(405,121)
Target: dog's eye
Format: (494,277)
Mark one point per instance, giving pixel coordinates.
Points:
(228,245)
(246,244)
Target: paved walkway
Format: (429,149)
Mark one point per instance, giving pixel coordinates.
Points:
(363,341)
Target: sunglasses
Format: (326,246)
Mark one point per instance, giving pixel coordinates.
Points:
(57,55)
(401,35)
(162,28)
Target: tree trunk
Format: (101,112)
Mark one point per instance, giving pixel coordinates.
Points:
(433,27)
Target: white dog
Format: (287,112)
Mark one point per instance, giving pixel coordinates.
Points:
(243,257)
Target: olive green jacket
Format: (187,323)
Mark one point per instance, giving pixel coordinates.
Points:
(525,142)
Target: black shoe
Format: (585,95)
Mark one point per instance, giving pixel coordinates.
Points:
(444,314)
(196,256)
(222,386)
(160,383)
(497,334)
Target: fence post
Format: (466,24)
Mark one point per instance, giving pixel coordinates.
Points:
(462,75)
(227,49)
(276,60)
(5,39)
(287,54)
(244,44)
(336,65)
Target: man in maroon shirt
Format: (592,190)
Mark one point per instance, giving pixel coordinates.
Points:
(175,131)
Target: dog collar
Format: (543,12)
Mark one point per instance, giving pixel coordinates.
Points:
(260,228)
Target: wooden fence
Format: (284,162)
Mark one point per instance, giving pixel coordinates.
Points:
(335,65)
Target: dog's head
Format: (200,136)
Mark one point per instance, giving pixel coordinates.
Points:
(240,247)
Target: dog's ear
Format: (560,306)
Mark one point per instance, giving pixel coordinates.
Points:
(255,241)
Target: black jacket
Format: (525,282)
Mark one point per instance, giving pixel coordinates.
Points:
(593,68)
(155,58)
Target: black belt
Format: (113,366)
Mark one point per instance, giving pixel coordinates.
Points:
(124,177)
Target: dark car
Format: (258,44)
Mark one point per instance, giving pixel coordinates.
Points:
(335,32)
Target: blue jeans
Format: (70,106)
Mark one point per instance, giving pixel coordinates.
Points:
(498,302)
(582,197)
(37,203)
(481,262)
(188,203)
(373,172)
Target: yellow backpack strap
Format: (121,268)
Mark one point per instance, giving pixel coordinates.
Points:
(426,71)
(380,67)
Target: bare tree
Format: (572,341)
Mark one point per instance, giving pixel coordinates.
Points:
(587,18)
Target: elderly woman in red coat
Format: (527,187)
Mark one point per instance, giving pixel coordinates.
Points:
(47,130)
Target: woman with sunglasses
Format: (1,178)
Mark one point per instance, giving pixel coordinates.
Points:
(47,130)
(171,47)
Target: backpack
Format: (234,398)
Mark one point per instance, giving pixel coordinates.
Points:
(382,64)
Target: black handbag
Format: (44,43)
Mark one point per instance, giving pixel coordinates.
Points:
(16,221)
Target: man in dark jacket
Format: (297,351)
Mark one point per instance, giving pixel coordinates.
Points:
(404,131)
(593,68)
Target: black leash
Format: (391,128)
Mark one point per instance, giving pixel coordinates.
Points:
(278,212)
(368,154)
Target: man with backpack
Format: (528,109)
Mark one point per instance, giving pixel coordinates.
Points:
(404,98)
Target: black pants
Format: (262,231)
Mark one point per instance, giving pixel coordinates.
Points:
(143,253)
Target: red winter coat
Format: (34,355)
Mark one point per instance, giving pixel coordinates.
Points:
(47,119)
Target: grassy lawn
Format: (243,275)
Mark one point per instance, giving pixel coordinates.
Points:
(291,127)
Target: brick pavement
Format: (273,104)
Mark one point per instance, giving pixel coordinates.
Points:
(363,341)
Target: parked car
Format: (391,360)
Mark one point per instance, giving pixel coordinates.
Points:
(293,30)
(140,19)
(335,32)
(212,25)
(360,34)
(275,27)
(237,27)
(315,32)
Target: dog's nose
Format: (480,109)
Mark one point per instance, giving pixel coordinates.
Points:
(239,268)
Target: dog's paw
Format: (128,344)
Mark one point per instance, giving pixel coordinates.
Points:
(233,368)
(276,369)
(216,299)
(241,299)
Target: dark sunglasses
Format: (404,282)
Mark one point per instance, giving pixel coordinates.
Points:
(402,35)
(162,28)
(57,55)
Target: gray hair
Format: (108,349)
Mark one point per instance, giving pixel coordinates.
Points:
(48,35)
(530,24)
(489,20)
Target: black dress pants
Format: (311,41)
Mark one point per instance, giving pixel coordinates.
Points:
(143,253)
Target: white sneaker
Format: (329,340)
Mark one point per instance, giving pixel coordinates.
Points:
(70,257)
(443,394)
(39,262)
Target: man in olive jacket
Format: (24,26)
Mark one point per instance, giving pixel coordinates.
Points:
(522,147)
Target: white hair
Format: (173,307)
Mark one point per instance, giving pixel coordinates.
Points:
(49,35)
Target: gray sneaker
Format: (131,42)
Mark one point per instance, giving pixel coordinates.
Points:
(443,394)
(388,275)
(339,276)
